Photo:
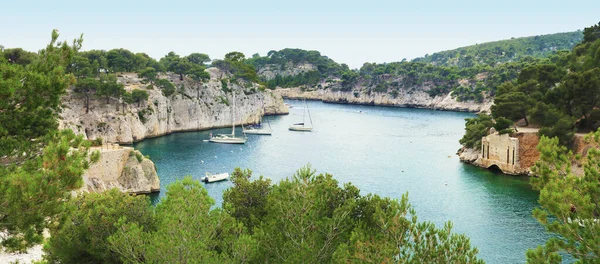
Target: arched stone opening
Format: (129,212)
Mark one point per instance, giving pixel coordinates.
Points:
(495,168)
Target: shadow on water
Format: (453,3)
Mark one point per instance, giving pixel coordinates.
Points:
(493,176)
(154,197)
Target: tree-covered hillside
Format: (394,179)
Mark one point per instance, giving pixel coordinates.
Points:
(295,67)
(514,49)
(561,95)
(470,73)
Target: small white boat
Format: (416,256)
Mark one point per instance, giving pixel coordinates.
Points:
(303,127)
(208,178)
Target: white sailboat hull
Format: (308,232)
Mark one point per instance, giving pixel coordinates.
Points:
(261,131)
(209,178)
(300,128)
(228,139)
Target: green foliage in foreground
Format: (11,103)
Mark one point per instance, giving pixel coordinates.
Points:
(90,220)
(570,205)
(39,165)
(30,95)
(32,193)
(307,218)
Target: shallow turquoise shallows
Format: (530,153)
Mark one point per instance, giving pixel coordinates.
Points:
(382,150)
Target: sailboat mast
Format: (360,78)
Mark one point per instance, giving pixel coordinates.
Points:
(309,118)
(233,116)
(304,113)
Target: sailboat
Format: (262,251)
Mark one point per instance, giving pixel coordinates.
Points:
(259,129)
(229,138)
(303,126)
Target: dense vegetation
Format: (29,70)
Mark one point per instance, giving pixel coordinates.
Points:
(569,203)
(322,67)
(470,73)
(38,164)
(514,49)
(560,94)
(306,218)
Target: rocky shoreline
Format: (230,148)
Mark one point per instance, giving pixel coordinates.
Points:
(414,99)
(195,106)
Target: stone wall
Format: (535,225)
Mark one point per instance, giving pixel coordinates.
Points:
(123,168)
(501,151)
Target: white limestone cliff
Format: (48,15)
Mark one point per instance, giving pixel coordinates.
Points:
(196,106)
(412,99)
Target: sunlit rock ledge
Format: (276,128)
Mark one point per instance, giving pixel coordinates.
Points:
(123,168)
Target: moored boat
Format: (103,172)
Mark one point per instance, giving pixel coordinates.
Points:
(303,126)
(229,138)
(209,178)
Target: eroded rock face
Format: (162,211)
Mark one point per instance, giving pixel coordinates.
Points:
(196,106)
(289,69)
(468,155)
(123,168)
(404,98)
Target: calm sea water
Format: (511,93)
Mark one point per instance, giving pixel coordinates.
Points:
(382,150)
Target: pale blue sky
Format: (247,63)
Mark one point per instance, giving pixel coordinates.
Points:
(351,32)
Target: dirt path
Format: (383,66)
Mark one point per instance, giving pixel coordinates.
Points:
(535,130)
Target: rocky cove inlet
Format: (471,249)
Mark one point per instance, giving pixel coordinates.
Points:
(383,150)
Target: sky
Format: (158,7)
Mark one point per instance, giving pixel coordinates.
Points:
(351,32)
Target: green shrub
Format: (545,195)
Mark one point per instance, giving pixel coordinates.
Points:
(475,129)
(223,100)
(97,142)
(503,125)
(139,156)
(89,220)
(95,156)
(224,86)
(381,88)
(166,86)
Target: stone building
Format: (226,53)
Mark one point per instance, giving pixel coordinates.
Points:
(501,151)
(512,154)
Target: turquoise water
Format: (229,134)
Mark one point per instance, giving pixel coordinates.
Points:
(382,150)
